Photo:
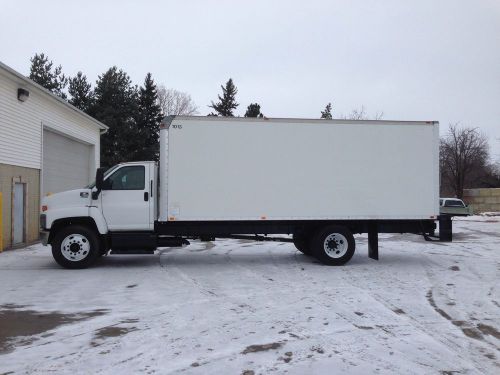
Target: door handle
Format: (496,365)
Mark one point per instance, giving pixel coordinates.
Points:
(146,196)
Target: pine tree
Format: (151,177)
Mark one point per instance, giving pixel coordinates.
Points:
(227,103)
(253,110)
(43,73)
(327,113)
(115,104)
(80,91)
(149,116)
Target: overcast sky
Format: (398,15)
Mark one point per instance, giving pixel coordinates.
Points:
(413,60)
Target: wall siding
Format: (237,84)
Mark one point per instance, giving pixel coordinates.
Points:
(21,124)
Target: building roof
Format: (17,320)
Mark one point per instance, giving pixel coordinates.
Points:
(44,91)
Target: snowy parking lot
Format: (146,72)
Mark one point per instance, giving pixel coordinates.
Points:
(238,307)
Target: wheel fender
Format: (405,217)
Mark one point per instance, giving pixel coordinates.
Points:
(57,214)
(99,220)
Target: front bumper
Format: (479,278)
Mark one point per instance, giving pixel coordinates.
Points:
(44,237)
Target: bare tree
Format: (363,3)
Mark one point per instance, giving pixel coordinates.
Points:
(173,102)
(361,114)
(379,115)
(358,114)
(463,154)
(489,177)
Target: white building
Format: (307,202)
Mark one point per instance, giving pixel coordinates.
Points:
(46,146)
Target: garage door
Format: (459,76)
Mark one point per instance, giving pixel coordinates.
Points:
(66,163)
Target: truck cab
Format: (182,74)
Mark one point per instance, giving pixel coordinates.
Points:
(124,201)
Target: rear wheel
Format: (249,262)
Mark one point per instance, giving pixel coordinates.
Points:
(333,245)
(75,247)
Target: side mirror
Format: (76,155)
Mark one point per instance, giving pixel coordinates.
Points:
(99,178)
(99,181)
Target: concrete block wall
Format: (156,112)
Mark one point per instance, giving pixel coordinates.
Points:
(483,200)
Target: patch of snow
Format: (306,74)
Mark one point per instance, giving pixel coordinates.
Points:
(490,214)
(236,306)
(485,216)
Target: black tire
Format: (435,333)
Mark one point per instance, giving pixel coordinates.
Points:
(83,247)
(333,245)
(301,240)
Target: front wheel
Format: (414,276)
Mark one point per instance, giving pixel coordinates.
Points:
(333,245)
(75,247)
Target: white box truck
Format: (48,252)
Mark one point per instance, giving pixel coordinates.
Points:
(320,181)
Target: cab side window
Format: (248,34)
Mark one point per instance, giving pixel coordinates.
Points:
(126,178)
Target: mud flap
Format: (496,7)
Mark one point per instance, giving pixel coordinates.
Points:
(445,228)
(373,241)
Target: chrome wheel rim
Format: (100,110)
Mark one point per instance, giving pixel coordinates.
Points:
(75,247)
(335,245)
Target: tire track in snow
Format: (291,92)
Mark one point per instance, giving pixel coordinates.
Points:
(464,326)
(427,328)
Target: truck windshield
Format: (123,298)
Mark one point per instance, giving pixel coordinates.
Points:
(106,174)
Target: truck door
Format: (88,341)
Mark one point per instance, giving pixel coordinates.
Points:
(126,198)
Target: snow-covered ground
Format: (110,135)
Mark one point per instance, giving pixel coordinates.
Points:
(234,306)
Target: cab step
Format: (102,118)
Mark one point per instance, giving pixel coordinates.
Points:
(130,242)
(132,251)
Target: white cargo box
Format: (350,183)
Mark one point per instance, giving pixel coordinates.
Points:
(214,168)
